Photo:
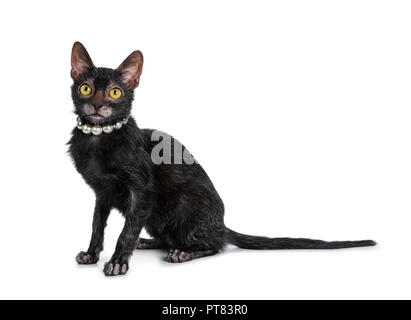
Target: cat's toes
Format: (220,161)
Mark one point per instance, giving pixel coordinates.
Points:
(176,256)
(115,269)
(86,258)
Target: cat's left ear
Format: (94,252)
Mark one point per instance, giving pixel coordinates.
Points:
(131,69)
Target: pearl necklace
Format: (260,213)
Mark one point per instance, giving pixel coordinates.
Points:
(98,130)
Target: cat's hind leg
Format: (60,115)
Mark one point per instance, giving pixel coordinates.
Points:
(178,256)
(150,244)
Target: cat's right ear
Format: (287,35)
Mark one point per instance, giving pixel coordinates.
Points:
(81,62)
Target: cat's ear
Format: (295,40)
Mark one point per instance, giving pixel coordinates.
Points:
(81,62)
(131,69)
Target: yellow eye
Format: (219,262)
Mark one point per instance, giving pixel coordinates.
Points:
(115,93)
(85,89)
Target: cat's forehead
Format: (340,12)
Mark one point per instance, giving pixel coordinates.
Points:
(102,77)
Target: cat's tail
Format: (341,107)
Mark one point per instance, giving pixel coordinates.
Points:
(263,243)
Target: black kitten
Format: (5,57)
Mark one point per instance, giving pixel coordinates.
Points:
(174,200)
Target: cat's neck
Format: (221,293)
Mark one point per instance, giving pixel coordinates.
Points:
(128,131)
(100,129)
(129,137)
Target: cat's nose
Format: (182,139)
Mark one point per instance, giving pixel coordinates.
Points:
(97,105)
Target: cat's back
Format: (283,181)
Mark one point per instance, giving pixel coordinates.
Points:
(173,165)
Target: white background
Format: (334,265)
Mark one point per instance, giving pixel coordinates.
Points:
(298,110)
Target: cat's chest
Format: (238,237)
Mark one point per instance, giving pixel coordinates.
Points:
(96,162)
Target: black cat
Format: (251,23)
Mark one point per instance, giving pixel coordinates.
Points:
(175,201)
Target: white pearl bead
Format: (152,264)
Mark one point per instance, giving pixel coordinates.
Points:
(118,125)
(79,124)
(86,129)
(108,129)
(125,120)
(97,130)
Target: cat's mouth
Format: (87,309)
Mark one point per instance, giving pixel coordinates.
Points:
(96,117)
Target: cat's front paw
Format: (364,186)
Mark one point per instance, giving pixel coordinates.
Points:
(115,268)
(86,258)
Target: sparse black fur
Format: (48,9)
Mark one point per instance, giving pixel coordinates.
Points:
(176,203)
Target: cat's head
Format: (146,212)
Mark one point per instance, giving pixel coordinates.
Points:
(103,95)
